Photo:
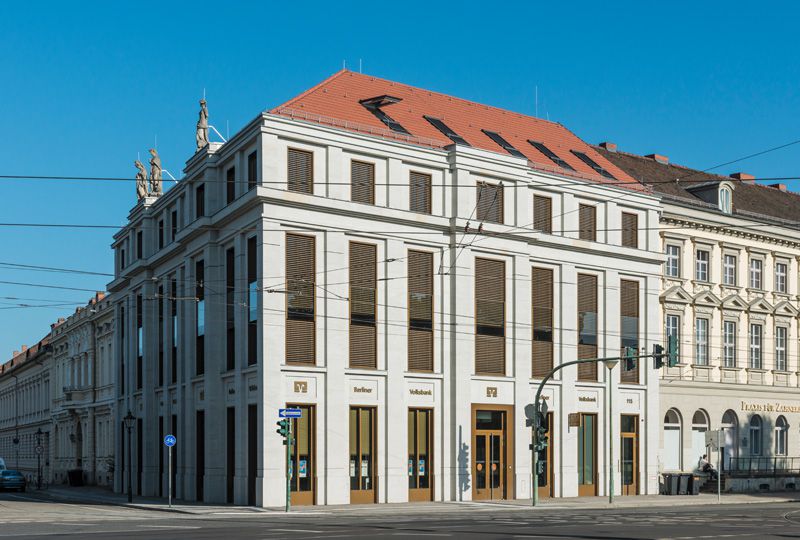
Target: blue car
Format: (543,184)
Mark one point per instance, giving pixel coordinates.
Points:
(12,480)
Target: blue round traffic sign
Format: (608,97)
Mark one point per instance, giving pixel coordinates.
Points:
(170,440)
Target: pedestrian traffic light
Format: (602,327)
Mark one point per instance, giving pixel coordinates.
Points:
(672,351)
(540,467)
(284,430)
(658,356)
(629,357)
(541,431)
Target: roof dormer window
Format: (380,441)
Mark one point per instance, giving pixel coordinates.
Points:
(725,199)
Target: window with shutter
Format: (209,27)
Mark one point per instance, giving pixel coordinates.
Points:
(230,329)
(587,222)
(629,313)
(489,202)
(362,182)
(301,171)
(200,316)
(630,230)
(420,192)
(490,309)
(543,214)
(252,301)
(587,326)
(542,305)
(420,311)
(300,294)
(363,299)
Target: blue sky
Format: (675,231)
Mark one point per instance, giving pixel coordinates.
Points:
(83,89)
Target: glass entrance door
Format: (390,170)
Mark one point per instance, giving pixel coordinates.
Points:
(546,456)
(303,462)
(420,466)
(629,445)
(489,463)
(587,455)
(362,455)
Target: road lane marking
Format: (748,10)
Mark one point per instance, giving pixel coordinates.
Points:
(168,526)
(296,531)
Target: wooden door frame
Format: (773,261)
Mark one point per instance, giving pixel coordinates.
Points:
(509,484)
(635,436)
(583,489)
(362,496)
(424,494)
(305,497)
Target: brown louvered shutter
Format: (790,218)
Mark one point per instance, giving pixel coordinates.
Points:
(542,304)
(587,222)
(587,326)
(420,192)
(629,314)
(490,309)
(543,214)
(630,230)
(489,202)
(300,294)
(362,182)
(420,311)
(363,347)
(301,171)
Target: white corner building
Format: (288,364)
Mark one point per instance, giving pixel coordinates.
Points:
(404,267)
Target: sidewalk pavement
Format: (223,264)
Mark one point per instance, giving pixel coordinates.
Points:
(95,495)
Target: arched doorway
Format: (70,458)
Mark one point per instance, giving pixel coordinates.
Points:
(699,427)
(730,436)
(78,445)
(672,441)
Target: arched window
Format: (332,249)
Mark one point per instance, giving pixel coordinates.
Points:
(781,436)
(672,441)
(725,199)
(699,428)
(755,435)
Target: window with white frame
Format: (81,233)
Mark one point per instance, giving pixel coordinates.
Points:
(701,342)
(781,436)
(673,265)
(672,327)
(781,270)
(729,344)
(780,348)
(756,267)
(729,270)
(756,336)
(755,435)
(701,265)
(725,199)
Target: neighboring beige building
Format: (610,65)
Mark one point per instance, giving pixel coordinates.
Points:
(730,293)
(83,393)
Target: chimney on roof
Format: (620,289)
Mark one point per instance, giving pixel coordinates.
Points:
(610,146)
(781,187)
(744,177)
(24,348)
(659,158)
(15,353)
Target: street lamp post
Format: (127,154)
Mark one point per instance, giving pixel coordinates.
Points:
(39,458)
(610,363)
(129,420)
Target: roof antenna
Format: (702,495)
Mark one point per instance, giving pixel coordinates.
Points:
(344,64)
(536,90)
(204,93)
(156,144)
(359,65)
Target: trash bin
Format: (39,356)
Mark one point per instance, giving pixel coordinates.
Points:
(694,485)
(683,484)
(670,484)
(75,477)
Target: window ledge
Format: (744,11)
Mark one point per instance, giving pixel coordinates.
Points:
(730,368)
(701,282)
(755,291)
(756,370)
(706,367)
(781,372)
(731,287)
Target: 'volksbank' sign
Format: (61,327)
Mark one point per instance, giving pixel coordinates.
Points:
(770,407)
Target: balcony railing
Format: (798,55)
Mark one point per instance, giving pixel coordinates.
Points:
(763,466)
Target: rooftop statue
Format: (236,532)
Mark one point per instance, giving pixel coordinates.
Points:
(155,173)
(201,136)
(141,180)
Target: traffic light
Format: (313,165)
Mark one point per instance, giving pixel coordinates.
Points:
(672,351)
(540,467)
(541,431)
(629,357)
(285,430)
(658,356)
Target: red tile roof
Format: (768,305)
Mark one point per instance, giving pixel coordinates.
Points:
(336,101)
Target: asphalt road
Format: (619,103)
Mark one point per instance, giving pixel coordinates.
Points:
(25,517)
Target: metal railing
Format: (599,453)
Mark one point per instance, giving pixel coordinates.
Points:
(762,466)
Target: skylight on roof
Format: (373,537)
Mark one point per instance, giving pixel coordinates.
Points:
(446,131)
(591,163)
(551,155)
(374,105)
(504,144)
